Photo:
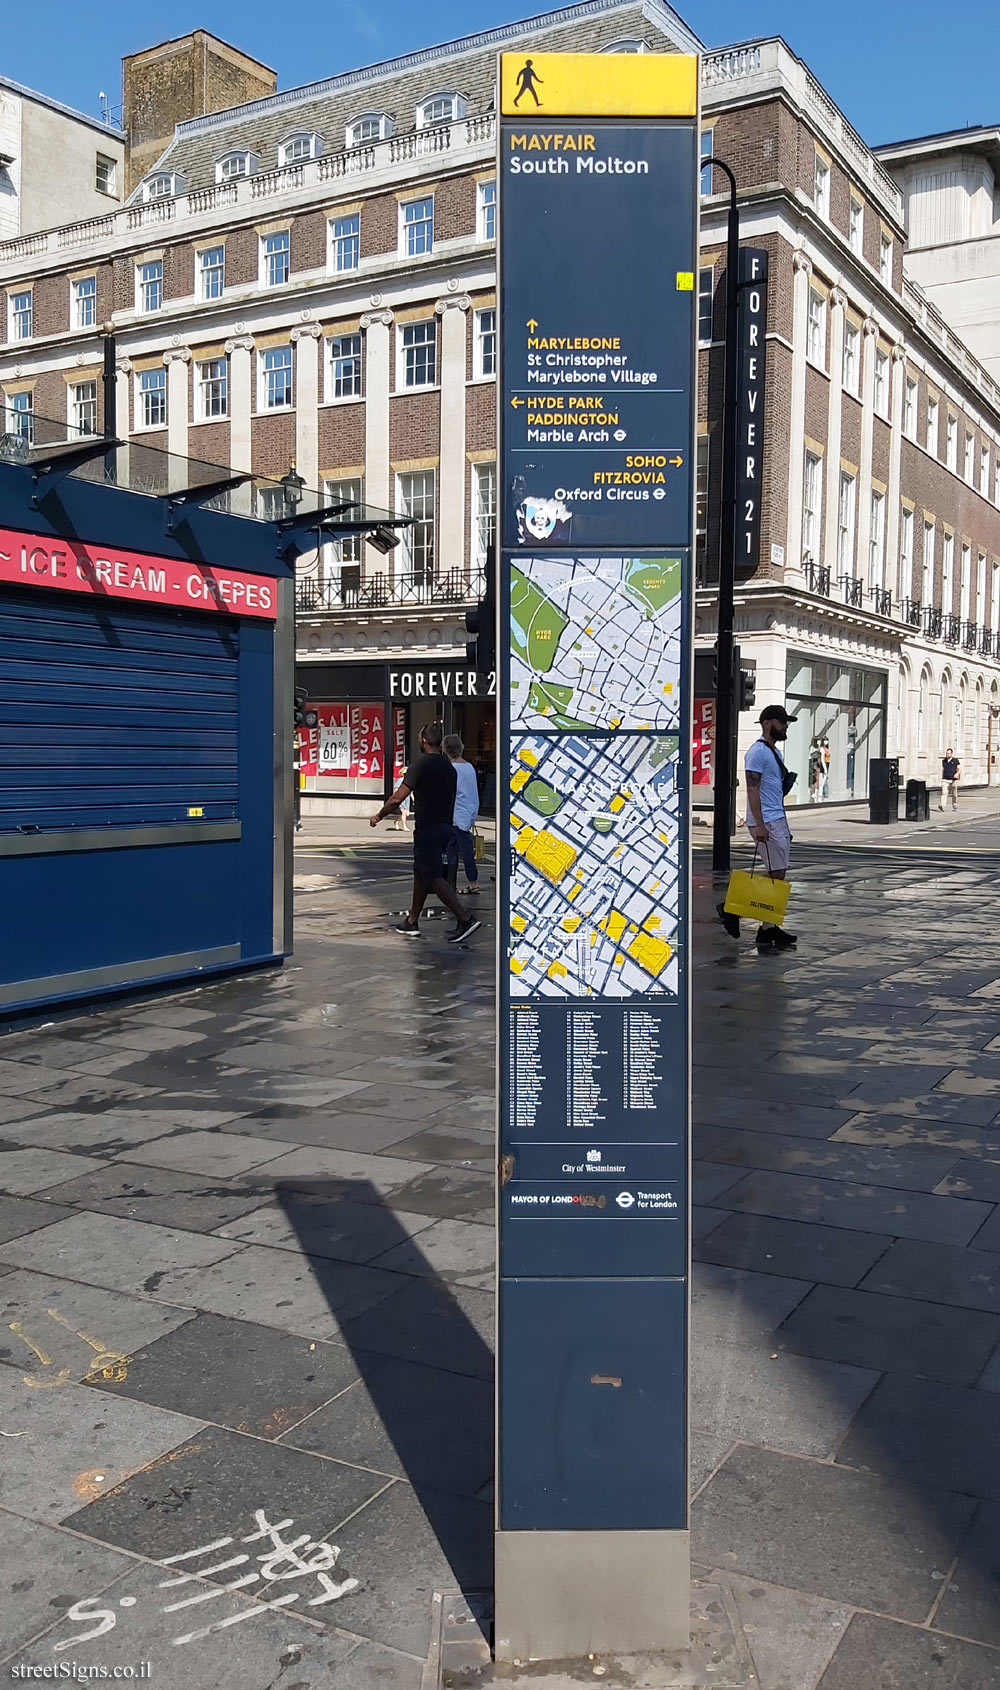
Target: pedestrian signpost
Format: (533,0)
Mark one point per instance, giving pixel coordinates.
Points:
(598,255)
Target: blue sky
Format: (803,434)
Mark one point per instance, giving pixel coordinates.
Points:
(874,60)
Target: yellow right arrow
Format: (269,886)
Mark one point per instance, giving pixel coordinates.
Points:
(677,462)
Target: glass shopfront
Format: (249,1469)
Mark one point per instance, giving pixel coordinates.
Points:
(841,712)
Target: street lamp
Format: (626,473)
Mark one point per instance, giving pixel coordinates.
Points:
(293,487)
(383,539)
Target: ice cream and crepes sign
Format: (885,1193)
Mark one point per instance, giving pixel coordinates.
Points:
(33,560)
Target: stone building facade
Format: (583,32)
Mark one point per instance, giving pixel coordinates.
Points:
(309,278)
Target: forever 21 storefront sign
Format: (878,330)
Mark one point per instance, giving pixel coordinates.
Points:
(440,684)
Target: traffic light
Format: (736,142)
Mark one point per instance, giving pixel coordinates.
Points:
(748,688)
(299,712)
(481,621)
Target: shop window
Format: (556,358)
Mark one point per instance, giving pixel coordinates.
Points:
(346,750)
(841,725)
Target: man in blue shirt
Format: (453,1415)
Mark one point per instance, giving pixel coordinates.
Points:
(466,811)
(767,783)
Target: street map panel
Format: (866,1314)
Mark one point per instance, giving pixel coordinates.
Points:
(595,643)
(595,872)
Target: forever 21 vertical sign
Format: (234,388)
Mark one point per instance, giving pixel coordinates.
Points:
(752,321)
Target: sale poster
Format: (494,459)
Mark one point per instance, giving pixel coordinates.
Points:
(347,741)
(398,742)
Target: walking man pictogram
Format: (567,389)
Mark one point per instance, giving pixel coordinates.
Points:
(526,79)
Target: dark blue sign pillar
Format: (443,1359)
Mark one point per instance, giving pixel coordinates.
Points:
(598,243)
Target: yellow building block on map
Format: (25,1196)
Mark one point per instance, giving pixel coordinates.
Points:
(650,953)
(656,885)
(616,721)
(614,925)
(518,923)
(552,857)
(662,837)
(651,923)
(556,970)
(617,803)
(521,778)
(669,687)
(528,756)
(515,966)
(619,960)
(574,892)
(570,923)
(524,841)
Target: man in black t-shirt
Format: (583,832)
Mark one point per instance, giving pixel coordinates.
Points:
(432,780)
(951,774)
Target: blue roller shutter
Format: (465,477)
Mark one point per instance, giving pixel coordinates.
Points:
(114,716)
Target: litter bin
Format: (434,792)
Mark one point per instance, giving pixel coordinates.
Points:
(918,801)
(883,789)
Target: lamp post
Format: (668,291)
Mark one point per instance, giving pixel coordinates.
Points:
(722,805)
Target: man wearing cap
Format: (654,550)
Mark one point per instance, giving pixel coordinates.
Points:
(767,782)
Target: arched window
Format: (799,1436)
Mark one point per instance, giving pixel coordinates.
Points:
(946,706)
(633,45)
(163,186)
(235,164)
(961,729)
(923,710)
(441,108)
(977,722)
(302,145)
(903,708)
(371,126)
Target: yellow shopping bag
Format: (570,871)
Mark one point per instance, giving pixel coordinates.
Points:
(756,896)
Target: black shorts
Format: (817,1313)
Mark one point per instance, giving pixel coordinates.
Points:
(430,843)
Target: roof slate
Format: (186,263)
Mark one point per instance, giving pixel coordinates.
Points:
(326,108)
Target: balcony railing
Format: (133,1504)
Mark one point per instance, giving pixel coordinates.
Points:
(358,588)
(882,601)
(934,624)
(986,643)
(952,629)
(818,578)
(970,636)
(853,589)
(391,154)
(913,612)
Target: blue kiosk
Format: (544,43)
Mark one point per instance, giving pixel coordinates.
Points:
(146,714)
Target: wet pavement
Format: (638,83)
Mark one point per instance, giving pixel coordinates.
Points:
(246,1267)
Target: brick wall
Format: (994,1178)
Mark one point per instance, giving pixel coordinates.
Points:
(341,436)
(308,242)
(178,271)
(272,443)
(209,442)
(414,426)
(481,416)
(242,257)
(455,208)
(379,225)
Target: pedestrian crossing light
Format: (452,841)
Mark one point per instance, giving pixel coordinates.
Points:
(748,688)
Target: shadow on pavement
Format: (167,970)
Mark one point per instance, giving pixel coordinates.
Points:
(425,1410)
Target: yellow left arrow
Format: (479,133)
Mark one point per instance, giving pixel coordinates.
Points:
(517,402)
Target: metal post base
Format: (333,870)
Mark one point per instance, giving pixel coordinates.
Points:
(566,1594)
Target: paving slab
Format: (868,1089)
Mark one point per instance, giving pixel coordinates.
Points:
(988,1236)
(88,1092)
(793,1249)
(978,1177)
(160,1196)
(865,1208)
(791,1638)
(79,1444)
(930,1433)
(41,1571)
(402,1548)
(907,1169)
(20,1215)
(303,1294)
(23,1172)
(804,1407)
(892,1334)
(121,1255)
(323,1226)
(454,1252)
(329,1128)
(899,1131)
(734,1306)
(969,1605)
(218,1155)
(52,1330)
(462,1146)
(703,1221)
(412,1421)
(227,1640)
(939,1273)
(449,1327)
(108,1133)
(248,1378)
(210,1486)
(902,1657)
(847,1537)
